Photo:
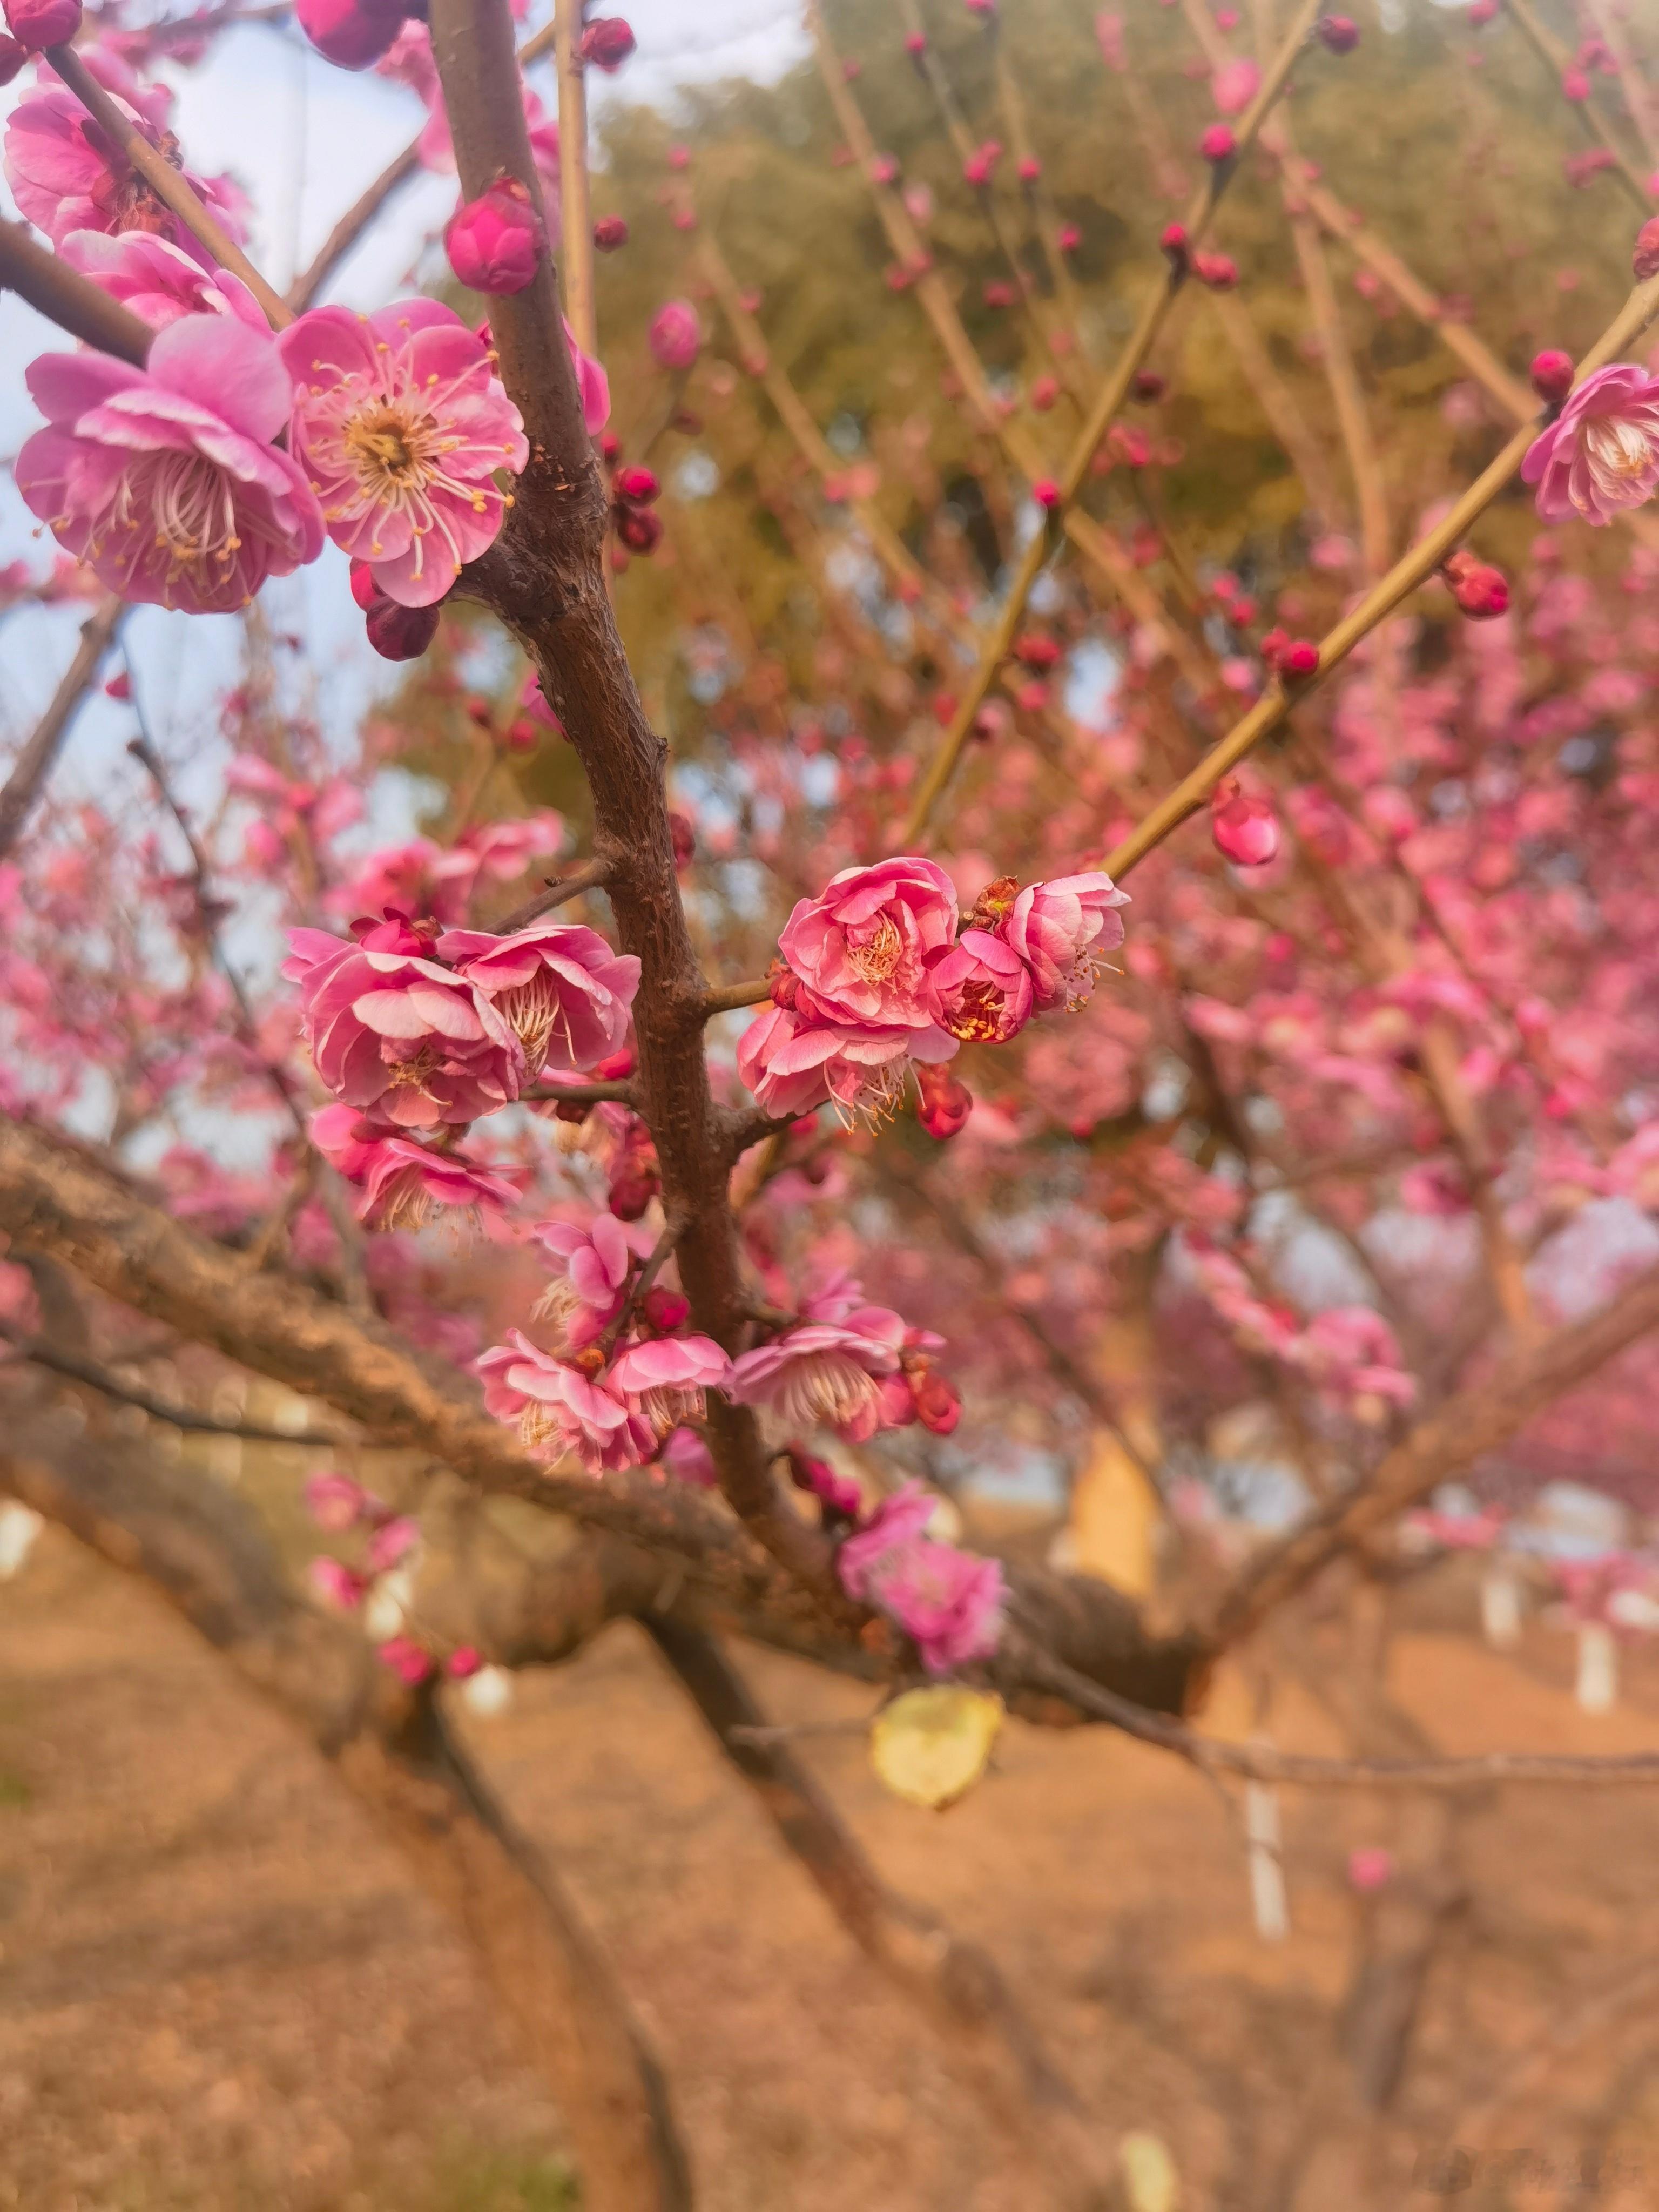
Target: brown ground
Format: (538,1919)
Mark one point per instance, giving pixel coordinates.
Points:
(219,1992)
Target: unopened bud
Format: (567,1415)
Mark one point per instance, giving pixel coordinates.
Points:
(943,1103)
(1552,371)
(399,633)
(351,33)
(676,334)
(1481,592)
(12,58)
(607,42)
(1218,271)
(1479,12)
(1219,143)
(938,1406)
(494,241)
(638,486)
(1172,241)
(1036,650)
(1147,385)
(638,529)
(1644,261)
(610,232)
(1575,85)
(915,44)
(1046,492)
(1030,169)
(119,685)
(38,23)
(1300,658)
(1337,34)
(1244,827)
(632,1189)
(664,1309)
(684,837)
(1044,391)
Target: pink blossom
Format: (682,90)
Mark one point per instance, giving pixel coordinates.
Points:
(1234,86)
(1243,825)
(65,175)
(347,1139)
(792,1065)
(688,1459)
(402,425)
(463,1662)
(336,1503)
(664,1378)
(393,1033)
(336,1583)
(676,334)
(495,242)
(948,1603)
(559,986)
(157,281)
(404,1184)
(595,1263)
(558,1410)
(163,479)
(1061,930)
(821,1371)
(1600,454)
(862,950)
(983,988)
(406,1659)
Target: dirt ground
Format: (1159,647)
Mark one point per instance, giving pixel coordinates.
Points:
(219,1992)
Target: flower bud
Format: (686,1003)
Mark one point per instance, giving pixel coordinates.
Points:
(1044,391)
(1147,385)
(1551,372)
(632,1189)
(1068,238)
(1479,12)
(400,633)
(938,1406)
(638,529)
(664,1309)
(1232,88)
(1575,85)
(1172,241)
(119,685)
(1644,261)
(1218,271)
(462,1662)
(1046,492)
(364,589)
(1337,34)
(676,335)
(638,486)
(38,23)
(1480,590)
(915,44)
(607,42)
(1300,658)
(494,242)
(610,232)
(1219,143)
(12,58)
(351,33)
(943,1103)
(684,838)
(406,1659)
(1245,827)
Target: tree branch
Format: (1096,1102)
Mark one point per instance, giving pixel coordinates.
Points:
(34,763)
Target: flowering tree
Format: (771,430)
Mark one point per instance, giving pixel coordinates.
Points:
(1342,1109)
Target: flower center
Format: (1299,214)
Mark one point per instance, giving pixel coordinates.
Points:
(828,1387)
(879,954)
(412,1073)
(535,1013)
(1619,447)
(392,447)
(976,1018)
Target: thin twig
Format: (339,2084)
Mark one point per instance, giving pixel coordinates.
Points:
(34,763)
(593,877)
(726,997)
(41,1353)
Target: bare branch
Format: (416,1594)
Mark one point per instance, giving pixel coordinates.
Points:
(34,763)
(68,298)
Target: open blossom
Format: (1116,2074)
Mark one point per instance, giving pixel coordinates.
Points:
(559,1410)
(593,1264)
(983,988)
(402,425)
(949,1602)
(163,480)
(793,1065)
(66,176)
(863,949)
(393,1033)
(823,1372)
(157,281)
(666,1377)
(1060,930)
(404,1184)
(1602,453)
(560,987)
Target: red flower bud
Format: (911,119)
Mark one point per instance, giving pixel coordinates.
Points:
(12,58)
(638,486)
(1300,657)
(494,242)
(119,685)
(1068,238)
(610,447)
(364,589)
(400,633)
(351,33)
(1645,260)
(1218,271)
(1046,492)
(676,335)
(1146,384)
(1479,12)
(632,1189)
(609,233)
(939,1407)
(38,23)
(607,42)
(1480,590)
(1036,650)
(1575,85)
(664,1309)
(1245,827)
(1044,391)
(915,44)
(1552,374)
(999,294)
(1030,169)
(522,736)
(638,529)
(1337,34)
(1219,143)
(944,1104)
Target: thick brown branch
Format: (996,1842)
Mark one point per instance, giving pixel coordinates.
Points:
(39,1353)
(68,298)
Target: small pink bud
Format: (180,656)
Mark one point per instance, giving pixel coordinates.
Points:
(676,335)
(351,33)
(406,1659)
(1030,169)
(638,529)
(364,589)
(119,685)
(664,1309)
(400,633)
(684,837)
(1068,238)
(679,157)
(337,1585)
(1037,651)
(38,23)
(494,242)
(1218,271)
(12,58)
(1369,1867)
(607,42)
(1146,384)
(938,1402)
(1232,88)
(1300,658)
(463,1662)
(944,1102)
(521,735)
(1245,827)
(915,44)
(1480,590)
(1337,34)
(1644,261)
(1575,85)
(1172,241)
(610,232)
(1219,143)
(1044,391)
(998,294)
(980,7)
(1552,371)
(632,1189)
(1046,492)
(638,486)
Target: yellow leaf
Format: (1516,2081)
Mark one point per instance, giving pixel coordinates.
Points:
(1150,2179)
(930,1747)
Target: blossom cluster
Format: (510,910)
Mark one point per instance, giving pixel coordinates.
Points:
(882,973)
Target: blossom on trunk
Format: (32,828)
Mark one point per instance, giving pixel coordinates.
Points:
(561,988)
(665,1378)
(949,1602)
(66,176)
(1061,930)
(558,1409)
(393,1033)
(401,426)
(862,950)
(1600,454)
(163,480)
